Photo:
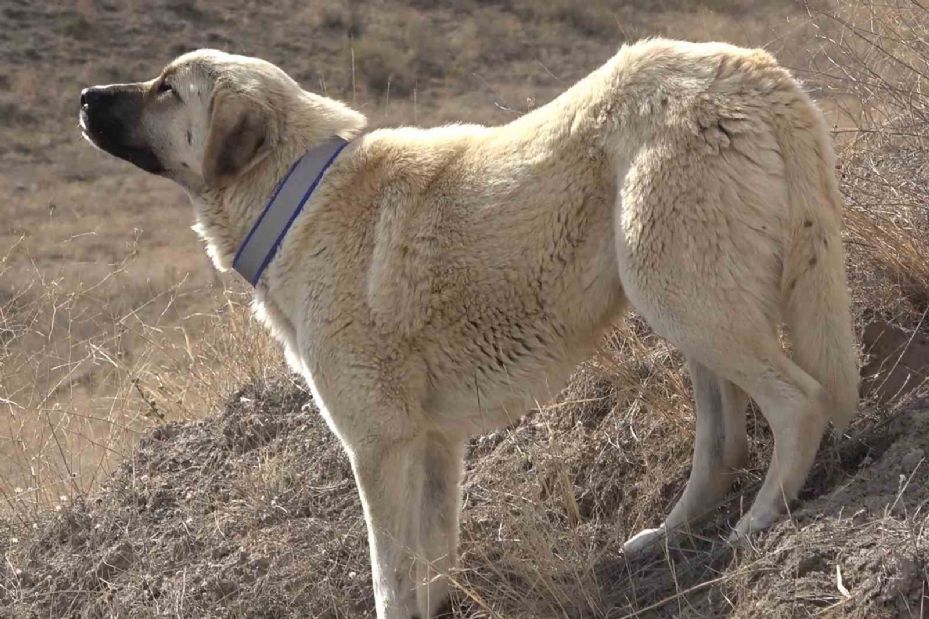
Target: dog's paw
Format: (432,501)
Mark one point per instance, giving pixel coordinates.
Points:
(644,542)
(748,525)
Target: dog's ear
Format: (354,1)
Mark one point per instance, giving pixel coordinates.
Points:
(239,137)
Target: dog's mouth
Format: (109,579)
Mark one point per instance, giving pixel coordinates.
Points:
(101,135)
(139,157)
(85,131)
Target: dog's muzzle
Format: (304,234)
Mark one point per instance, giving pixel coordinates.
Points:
(110,119)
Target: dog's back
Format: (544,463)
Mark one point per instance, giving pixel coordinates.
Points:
(494,248)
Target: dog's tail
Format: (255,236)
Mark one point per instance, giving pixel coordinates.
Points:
(814,287)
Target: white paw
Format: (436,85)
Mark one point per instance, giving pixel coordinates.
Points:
(751,523)
(644,541)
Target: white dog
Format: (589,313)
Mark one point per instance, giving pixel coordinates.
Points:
(433,284)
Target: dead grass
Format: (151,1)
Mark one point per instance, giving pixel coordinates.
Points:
(875,65)
(86,371)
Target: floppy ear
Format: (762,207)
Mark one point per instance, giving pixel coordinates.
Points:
(239,137)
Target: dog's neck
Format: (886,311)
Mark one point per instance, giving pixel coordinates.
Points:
(225,215)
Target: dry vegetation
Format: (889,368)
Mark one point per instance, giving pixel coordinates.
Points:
(125,492)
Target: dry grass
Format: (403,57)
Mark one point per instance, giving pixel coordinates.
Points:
(253,511)
(876,64)
(86,371)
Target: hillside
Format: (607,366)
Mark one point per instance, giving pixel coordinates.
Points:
(158,459)
(253,513)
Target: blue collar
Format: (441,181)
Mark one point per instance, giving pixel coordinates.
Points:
(282,209)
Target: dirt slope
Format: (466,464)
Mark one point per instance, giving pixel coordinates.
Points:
(253,513)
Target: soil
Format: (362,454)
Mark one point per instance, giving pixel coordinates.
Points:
(253,513)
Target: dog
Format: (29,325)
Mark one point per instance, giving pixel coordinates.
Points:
(436,283)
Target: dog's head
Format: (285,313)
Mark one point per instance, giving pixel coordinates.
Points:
(206,119)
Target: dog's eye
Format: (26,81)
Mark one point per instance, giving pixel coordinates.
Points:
(165,87)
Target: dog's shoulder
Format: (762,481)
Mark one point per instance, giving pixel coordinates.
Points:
(422,176)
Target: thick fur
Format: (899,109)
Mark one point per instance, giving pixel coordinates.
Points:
(440,282)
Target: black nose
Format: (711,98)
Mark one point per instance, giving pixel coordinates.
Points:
(92,96)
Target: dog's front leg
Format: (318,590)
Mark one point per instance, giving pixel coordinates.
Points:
(389,478)
(440,503)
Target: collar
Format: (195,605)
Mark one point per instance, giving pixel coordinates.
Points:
(282,209)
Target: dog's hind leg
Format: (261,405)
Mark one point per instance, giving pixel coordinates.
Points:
(720,449)
(711,284)
(795,406)
(438,518)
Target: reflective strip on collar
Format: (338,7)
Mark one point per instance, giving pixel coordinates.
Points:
(286,203)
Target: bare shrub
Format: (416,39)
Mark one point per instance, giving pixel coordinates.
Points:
(875,69)
(339,15)
(594,18)
(384,65)
(403,50)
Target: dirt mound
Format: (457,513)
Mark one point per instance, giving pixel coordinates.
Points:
(866,536)
(253,513)
(213,518)
(858,548)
